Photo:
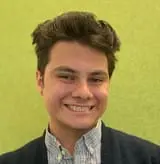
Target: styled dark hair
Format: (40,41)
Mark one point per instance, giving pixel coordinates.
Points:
(82,27)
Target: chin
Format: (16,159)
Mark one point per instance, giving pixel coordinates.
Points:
(82,125)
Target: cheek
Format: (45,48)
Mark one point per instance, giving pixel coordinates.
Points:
(101,95)
(54,93)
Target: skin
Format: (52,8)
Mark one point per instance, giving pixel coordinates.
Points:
(75,75)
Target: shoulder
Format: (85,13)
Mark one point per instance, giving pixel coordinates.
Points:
(28,151)
(130,145)
(133,141)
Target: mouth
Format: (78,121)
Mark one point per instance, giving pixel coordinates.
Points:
(79,108)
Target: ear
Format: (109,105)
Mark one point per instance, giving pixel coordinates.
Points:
(39,82)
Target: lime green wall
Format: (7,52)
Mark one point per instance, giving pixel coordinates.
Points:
(134,104)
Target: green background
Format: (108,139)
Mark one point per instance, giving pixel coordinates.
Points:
(134,104)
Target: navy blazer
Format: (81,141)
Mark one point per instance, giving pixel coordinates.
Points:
(117,148)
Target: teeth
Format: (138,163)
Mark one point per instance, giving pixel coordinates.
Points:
(79,108)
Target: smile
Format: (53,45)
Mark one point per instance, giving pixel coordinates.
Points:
(78,108)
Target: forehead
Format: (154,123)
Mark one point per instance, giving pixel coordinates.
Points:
(77,56)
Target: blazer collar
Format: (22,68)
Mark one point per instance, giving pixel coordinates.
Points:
(110,150)
(41,154)
(105,145)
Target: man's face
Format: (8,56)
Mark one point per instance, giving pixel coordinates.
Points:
(75,87)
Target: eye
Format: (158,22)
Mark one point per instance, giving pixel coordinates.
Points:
(96,80)
(66,77)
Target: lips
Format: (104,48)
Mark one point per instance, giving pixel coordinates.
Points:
(79,108)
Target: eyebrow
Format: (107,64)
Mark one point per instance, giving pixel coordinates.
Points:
(99,73)
(70,70)
(65,69)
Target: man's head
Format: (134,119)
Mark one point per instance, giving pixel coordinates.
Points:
(82,27)
(76,59)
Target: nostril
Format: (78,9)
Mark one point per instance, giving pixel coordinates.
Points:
(91,107)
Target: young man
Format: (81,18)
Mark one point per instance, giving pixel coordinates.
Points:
(76,59)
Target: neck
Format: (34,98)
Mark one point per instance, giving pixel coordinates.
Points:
(66,136)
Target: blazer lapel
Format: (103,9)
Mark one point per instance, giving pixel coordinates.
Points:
(41,155)
(109,147)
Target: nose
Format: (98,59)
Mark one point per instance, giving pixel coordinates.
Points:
(82,91)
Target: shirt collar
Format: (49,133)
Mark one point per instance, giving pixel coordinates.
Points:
(51,141)
(91,139)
